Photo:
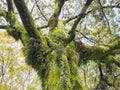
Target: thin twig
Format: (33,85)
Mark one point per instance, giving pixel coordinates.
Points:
(33,6)
(110,6)
(41,11)
(105,16)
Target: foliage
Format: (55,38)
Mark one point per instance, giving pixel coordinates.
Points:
(13,70)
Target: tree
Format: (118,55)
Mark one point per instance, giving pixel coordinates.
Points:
(57,55)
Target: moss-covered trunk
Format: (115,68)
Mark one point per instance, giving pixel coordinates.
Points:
(61,72)
(55,62)
(57,68)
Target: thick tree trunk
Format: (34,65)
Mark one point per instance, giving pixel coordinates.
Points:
(56,64)
(61,71)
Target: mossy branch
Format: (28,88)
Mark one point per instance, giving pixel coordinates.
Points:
(15,29)
(100,52)
(53,21)
(27,19)
(79,17)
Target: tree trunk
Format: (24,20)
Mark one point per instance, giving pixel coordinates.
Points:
(56,64)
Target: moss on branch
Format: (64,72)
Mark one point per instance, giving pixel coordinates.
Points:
(27,19)
(53,21)
(100,52)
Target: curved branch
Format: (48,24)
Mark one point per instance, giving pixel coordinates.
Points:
(70,19)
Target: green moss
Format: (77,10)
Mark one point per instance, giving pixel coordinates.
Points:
(56,63)
(104,48)
(108,59)
(35,55)
(71,49)
(77,86)
(2,13)
(65,72)
(57,36)
(61,74)
(14,33)
(52,80)
(15,29)
(12,29)
(114,45)
(58,69)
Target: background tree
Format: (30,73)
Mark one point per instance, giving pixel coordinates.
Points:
(58,54)
(14,73)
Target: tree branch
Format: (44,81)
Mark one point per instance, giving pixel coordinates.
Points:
(111,59)
(104,16)
(113,6)
(104,7)
(27,19)
(3,26)
(70,19)
(41,11)
(100,52)
(53,21)
(103,79)
(79,17)
(87,38)
(33,6)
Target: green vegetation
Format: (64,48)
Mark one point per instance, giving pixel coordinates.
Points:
(59,55)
